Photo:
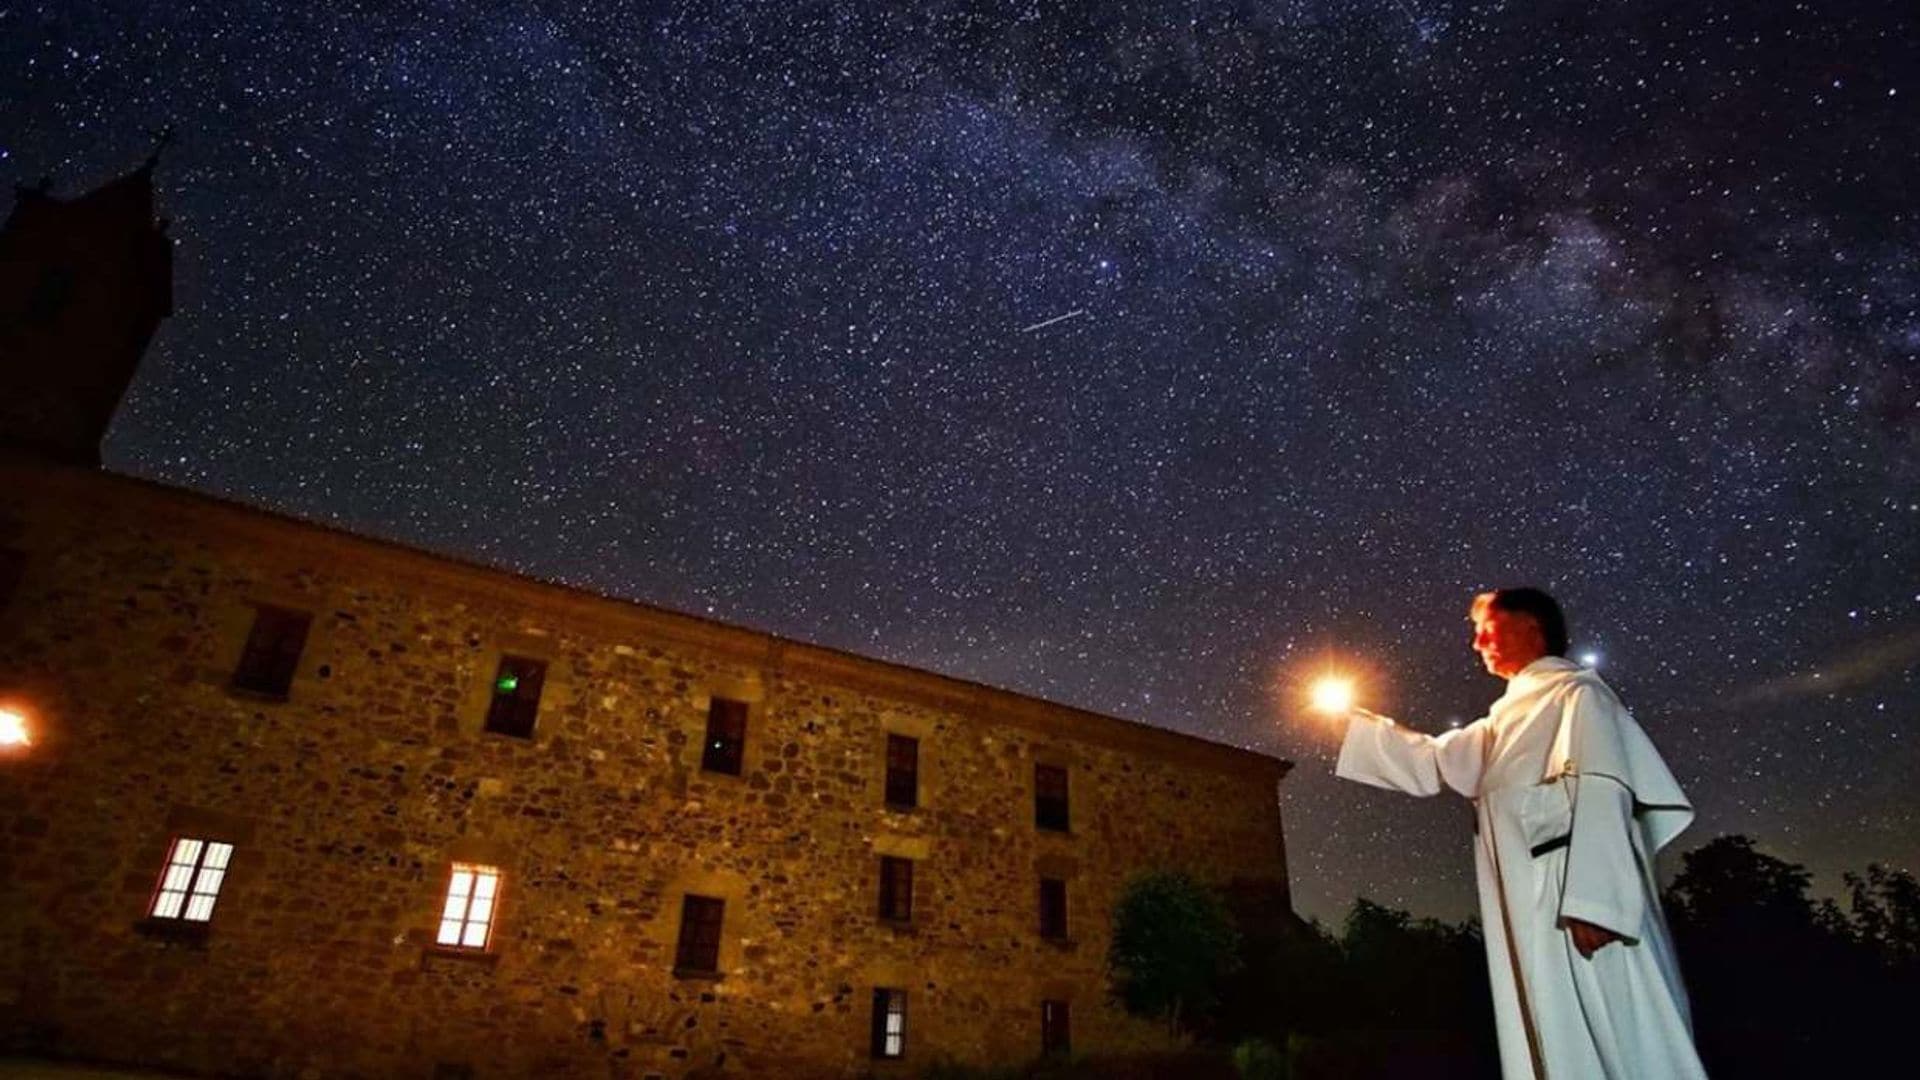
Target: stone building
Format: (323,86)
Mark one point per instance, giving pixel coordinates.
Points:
(303,803)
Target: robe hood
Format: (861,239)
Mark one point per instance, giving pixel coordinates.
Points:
(1601,738)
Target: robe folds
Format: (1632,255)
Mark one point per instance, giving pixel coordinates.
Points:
(1572,803)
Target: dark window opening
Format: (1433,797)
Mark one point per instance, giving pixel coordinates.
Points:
(903,772)
(889,1022)
(516,696)
(272,653)
(896,888)
(699,949)
(726,736)
(1053,908)
(1050,797)
(1056,1030)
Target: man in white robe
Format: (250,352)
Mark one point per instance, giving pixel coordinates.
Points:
(1572,802)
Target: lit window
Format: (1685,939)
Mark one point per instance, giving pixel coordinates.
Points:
(889,1022)
(191,882)
(466,922)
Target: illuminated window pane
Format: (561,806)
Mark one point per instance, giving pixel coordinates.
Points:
(889,1022)
(190,882)
(466,919)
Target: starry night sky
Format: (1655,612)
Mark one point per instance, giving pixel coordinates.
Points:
(1351,309)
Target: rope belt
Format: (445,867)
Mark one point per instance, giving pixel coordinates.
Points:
(1554,844)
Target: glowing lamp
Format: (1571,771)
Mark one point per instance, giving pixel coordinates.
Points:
(13,730)
(1333,695)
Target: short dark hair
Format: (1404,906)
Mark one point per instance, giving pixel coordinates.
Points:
(1543,609)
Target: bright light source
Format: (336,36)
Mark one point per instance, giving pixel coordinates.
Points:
(1333,695)
(1591,659)
(13,729)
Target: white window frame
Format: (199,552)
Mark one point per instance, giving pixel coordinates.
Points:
(190,881)
(472,903)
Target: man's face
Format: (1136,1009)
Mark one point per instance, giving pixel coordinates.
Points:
(1507,641)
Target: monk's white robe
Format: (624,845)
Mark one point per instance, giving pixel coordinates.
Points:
(1559,756)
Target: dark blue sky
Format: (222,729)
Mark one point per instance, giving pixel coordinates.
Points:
(734,309)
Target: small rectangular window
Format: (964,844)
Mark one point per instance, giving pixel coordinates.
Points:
(699,948)
(1053,908)
(903,772)
(516,696)
(190,883)
(466,920)
(726,736)
(272,653)
(896,888)
(889,1022)
(1050,797)
(1056,1028)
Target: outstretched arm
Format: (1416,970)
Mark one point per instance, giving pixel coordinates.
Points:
(1379,752)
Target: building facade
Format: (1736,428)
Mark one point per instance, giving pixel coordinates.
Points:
(301,803)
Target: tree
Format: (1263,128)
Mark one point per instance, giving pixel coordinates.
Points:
(1173,943)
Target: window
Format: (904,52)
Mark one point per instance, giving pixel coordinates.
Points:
(889,1022)
(273,649)
(1056,1029)
(726,736)
(699,950)
(1053,908)
(1050,797)
(896,889)
(903,772)
(191,881)
(466,922)
(516,696)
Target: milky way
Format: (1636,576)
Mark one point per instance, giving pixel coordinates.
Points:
(744,311)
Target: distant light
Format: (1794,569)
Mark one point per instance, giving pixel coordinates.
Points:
(13,730)
(506,684)
(1333,695)
(1591,659)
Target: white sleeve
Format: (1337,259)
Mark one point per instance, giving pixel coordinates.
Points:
(1386,755)
(1603,885)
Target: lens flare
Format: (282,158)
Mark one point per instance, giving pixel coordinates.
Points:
(1333,695)
(13,730)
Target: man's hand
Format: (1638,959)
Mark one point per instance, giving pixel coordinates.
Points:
(1589,938)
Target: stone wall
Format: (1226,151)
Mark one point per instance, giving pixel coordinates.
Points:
(348,802)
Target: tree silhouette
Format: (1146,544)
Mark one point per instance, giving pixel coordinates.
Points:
(1173,942)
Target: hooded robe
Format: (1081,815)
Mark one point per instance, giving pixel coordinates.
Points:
(1571,803)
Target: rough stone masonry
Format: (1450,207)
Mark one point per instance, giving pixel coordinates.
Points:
(347,801)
